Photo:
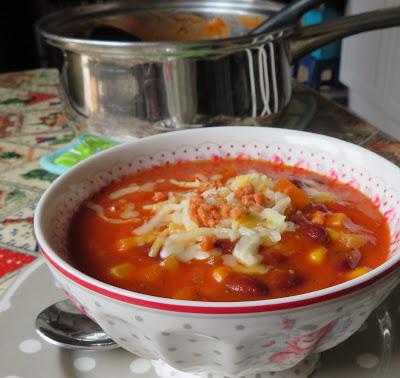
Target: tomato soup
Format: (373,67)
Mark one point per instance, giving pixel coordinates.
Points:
(227,230)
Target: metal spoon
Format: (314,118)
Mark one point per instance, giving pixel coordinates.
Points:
(63,325)
(290,13)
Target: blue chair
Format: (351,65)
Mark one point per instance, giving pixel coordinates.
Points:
(315,69)
(325,58)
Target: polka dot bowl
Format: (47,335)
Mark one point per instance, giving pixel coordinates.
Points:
(230,339)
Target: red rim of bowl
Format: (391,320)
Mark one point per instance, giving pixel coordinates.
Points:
(156,304)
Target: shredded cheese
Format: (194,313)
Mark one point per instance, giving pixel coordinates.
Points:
(184,184)
(180,232)
(148,187)
(246,250)
(100,212)
(129,212)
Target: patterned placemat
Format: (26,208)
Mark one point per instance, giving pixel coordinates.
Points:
(31,124)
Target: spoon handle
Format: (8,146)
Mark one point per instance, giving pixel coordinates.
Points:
(63,325)
(291,13)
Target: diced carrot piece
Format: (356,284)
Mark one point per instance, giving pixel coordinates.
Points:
(298,197)
(335,220)
(208,242)
(259,199)
(237,212)
(228,173)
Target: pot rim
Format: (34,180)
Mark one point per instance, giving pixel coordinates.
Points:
(198,307)
(47,28)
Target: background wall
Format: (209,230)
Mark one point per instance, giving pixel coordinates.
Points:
(370,67)
(18,42)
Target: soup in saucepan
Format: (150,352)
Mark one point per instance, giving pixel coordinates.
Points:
(227,230)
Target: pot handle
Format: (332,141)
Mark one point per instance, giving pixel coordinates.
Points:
(307,39)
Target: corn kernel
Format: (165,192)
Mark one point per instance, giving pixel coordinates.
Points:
(121,270)
(249,221)
(242,181)
(335,220)
(323,197)
(318,255)
(126,244)
(170,263)
(173,228)
(254,269)
(333,234)
(355,273)
(221,273)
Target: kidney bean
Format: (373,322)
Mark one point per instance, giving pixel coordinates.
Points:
(298,183)
(284,279)
(225,245)
(318,181)
(315,207)
(245,285)
(297,217)
(345,261)
(314,231)
(273,258)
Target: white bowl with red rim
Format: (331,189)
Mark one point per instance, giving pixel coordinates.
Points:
(237,338)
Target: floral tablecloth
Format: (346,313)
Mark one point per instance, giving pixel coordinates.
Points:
(32,124)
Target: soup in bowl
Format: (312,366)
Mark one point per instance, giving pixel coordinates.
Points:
(228,250)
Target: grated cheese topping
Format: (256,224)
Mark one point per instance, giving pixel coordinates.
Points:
(181,230)
(148,187)
(245,210)
(100,212)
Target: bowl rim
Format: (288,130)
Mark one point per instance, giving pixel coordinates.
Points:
(203,307)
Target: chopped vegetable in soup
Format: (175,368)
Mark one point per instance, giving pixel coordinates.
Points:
(227,230)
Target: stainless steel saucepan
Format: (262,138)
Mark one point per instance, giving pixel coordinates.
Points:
(198,67)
